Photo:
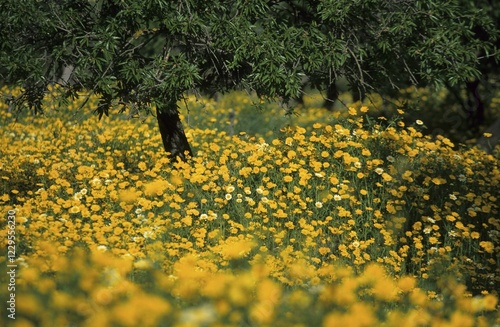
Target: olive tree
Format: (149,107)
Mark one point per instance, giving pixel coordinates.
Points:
(147,54)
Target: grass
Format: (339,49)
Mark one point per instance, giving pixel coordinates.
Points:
(329,219)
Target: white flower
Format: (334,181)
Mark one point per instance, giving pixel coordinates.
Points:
(230,189)
(22,262)
(95,182)
(202,315)
(264,199)
(357,164)
(337,197)
(203,216)
(83,191)
(355,244)
(318,204)
(263,147)
(102,248)
(419,122)
(462,178)
(427,230)
(259,191)
(138,211)
(320,175)
(390,158)
(379,171)
(453,197)
(228,196)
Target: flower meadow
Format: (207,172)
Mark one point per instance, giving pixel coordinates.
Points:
(330,219)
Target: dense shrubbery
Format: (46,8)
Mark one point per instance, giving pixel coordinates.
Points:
(352,221)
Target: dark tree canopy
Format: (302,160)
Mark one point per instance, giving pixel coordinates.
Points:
(144,54)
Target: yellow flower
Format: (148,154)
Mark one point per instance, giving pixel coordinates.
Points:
(176,180)
(386,177)
(438,180)
(74,209)
(188,220)
(142,166)
(131,311)
(490,302)
(234,249)
(487,246)
(155,188)
(407,283)
(129,195)
(95,207)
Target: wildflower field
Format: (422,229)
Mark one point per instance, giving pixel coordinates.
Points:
(328,219)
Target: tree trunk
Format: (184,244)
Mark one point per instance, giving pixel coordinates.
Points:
(172,132)
(475,104)
(332,94)
(66,75)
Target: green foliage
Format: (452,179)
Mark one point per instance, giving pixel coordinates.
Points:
(140,53)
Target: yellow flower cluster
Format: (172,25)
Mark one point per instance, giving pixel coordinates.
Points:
(352,223)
